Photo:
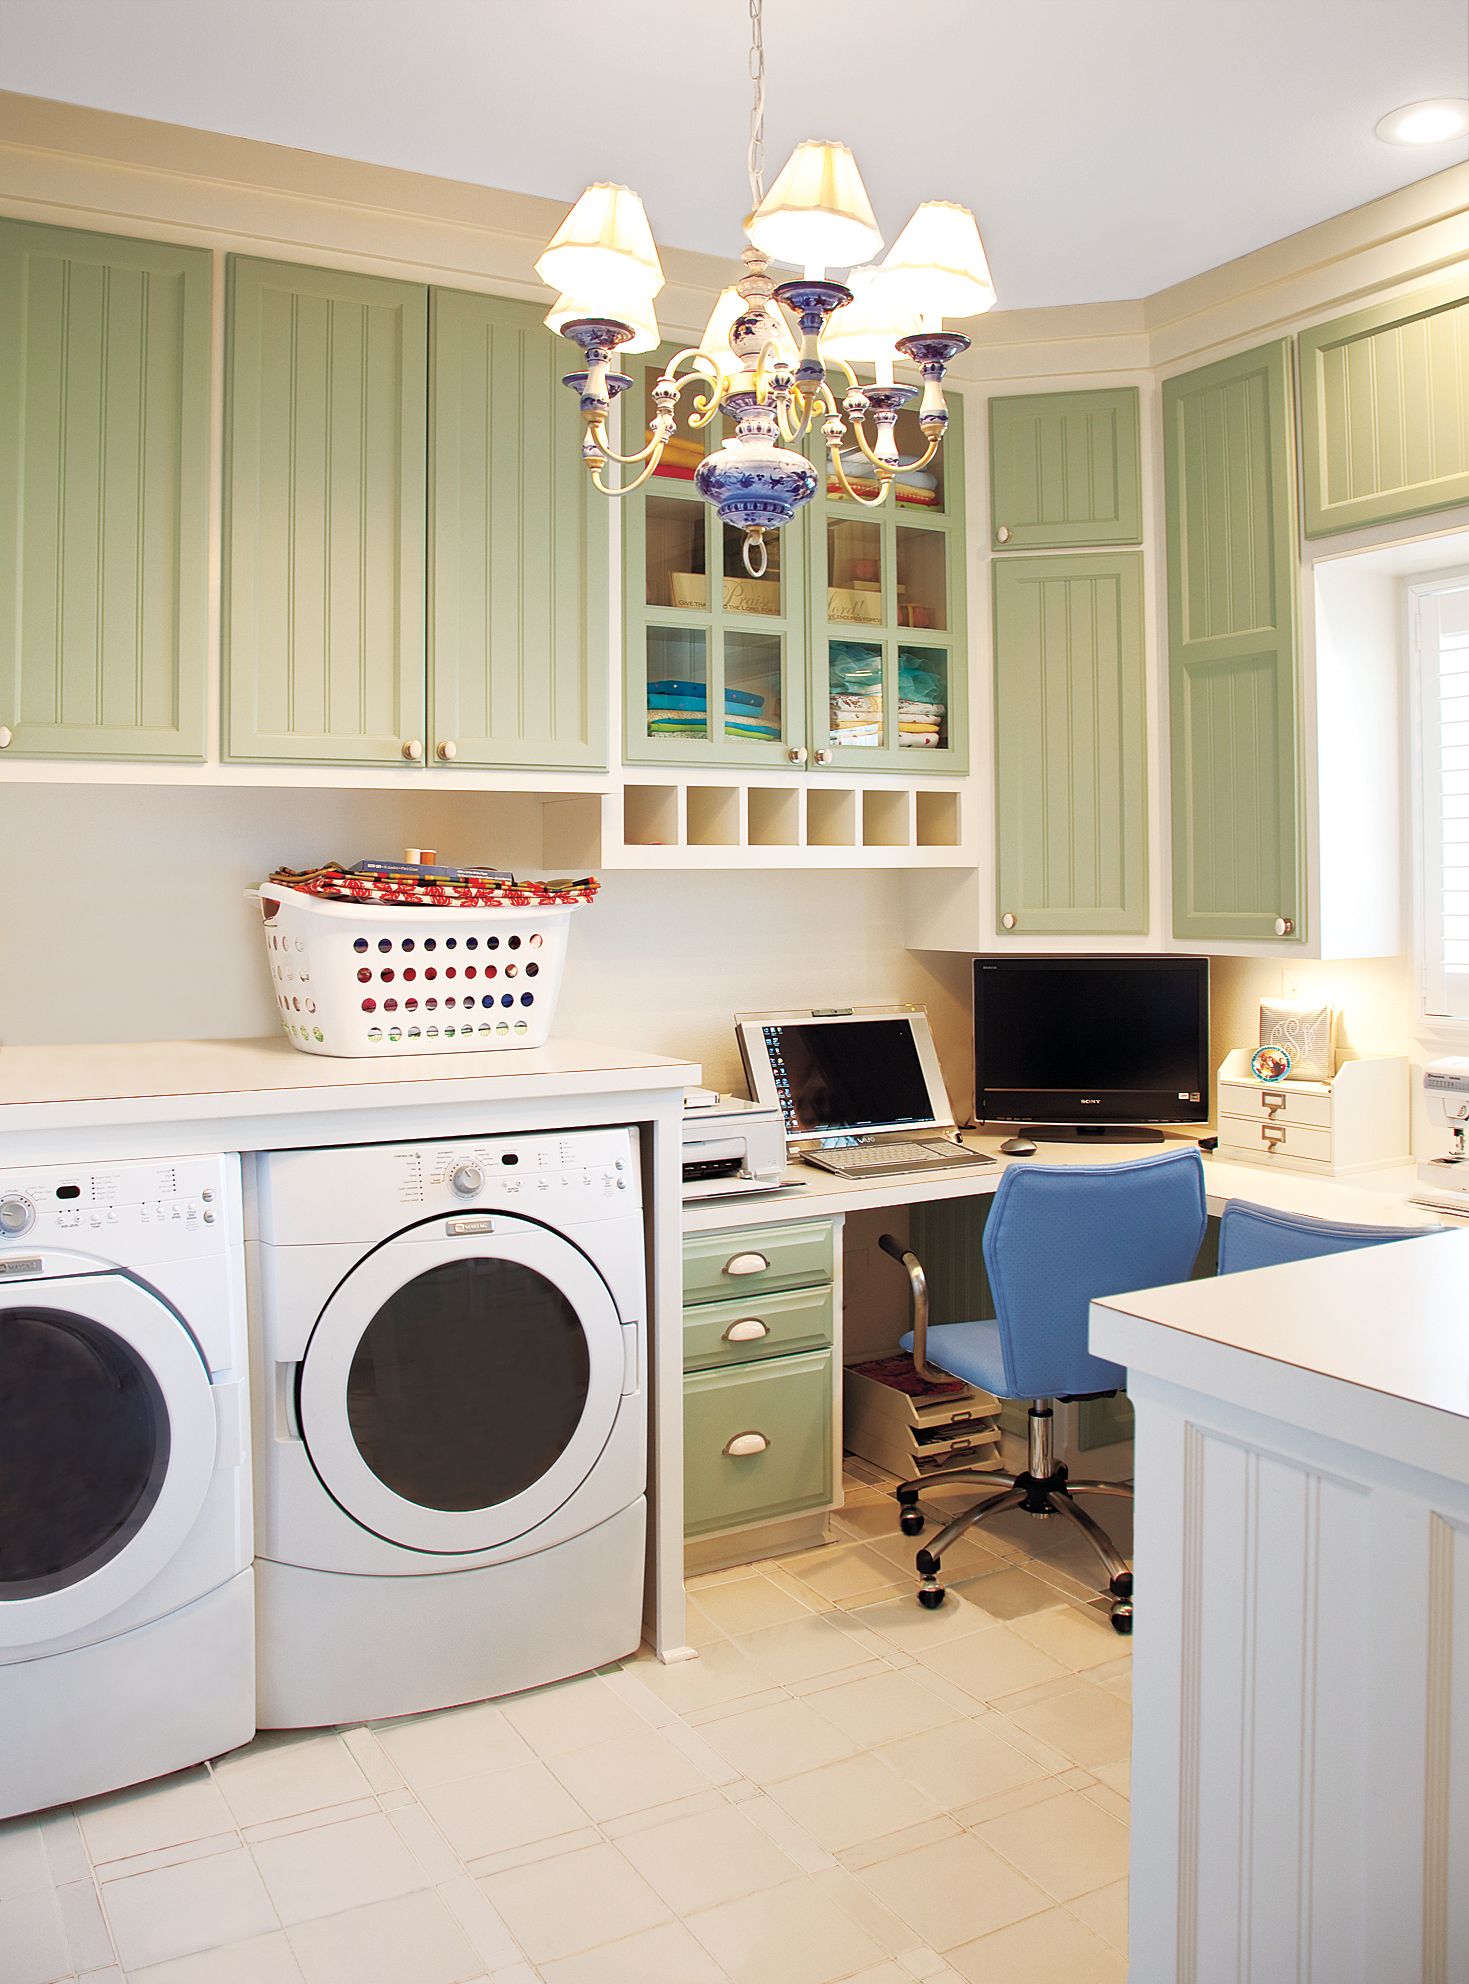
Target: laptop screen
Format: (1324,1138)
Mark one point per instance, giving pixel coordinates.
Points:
(845,1074)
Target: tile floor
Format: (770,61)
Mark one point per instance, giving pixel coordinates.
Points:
(843,1786)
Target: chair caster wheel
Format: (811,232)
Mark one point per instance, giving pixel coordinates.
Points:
(1122,1619)
(1121,1585)
(930,1596)
(911,1521)
(927,1564)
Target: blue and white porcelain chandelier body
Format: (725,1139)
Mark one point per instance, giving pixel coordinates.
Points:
(777,359)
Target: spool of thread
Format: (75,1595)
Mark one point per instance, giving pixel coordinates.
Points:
(421,857)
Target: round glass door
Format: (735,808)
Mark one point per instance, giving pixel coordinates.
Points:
(456,1391)
(84,1444)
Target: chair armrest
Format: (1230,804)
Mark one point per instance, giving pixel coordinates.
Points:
(918,1288)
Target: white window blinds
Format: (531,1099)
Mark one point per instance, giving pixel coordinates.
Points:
(1442,626)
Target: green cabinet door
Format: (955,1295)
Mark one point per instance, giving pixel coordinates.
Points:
(325,542)
(1064,470)
(758,1442)
(1237,835)
(518,543)
(1071,823)
(1385,412)
(104,494)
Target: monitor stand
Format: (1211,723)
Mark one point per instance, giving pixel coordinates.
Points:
(1090,1133)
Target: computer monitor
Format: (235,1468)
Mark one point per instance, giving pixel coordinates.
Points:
(1091,1047)
(849,1072)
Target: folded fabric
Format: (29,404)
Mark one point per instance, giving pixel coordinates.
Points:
(699,692)
(766,732)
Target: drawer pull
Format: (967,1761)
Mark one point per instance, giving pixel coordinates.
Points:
(749,1329)
(745,1444)
(746,1264)
(1274,1103)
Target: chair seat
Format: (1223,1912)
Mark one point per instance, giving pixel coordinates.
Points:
(971,1351)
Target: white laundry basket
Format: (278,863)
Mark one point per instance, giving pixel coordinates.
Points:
(374,978)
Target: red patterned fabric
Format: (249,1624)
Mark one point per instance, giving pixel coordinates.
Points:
(337,884)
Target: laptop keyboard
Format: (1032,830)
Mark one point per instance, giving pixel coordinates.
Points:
(864,1160)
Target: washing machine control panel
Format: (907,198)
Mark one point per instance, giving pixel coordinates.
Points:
(134,1211)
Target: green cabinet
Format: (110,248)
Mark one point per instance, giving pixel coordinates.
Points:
(415,568)
(1238,843)
(1071,736)
(325,546)
(104,494)
(849,652)
(1065,470)
(1385,412)
(759,1390)
(517,546)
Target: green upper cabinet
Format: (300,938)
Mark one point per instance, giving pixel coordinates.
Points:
(1237,836)
(714,660)
(1385,412)
(1064,470)
(518,543)
(325,549)
(1071,740)
(104,494)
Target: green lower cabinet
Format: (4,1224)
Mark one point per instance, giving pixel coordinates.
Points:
(1238,837)
(748,1263)
(1071,746)
(104,494)
(757,1442)
(1385,411)
(1065,470)
(756,1326)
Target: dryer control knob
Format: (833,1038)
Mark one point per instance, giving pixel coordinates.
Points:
(17,1215)
(467,1180)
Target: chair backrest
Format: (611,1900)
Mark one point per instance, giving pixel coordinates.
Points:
(1252,1236)
(1061,1236)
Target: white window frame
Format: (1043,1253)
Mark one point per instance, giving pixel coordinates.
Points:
(1443,989)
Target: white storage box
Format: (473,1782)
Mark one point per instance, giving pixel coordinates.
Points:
(1356,1122)
(892,1418)
(376,978)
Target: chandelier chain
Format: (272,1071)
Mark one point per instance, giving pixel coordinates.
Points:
(755,159)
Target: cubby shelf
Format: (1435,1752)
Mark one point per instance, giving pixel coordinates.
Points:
(704,823)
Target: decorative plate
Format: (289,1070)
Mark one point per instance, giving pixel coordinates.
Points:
(1270,1064)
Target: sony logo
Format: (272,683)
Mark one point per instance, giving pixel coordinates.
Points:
(1090,1101)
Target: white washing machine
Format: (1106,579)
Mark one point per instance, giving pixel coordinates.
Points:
(450,1419)
(127,1628)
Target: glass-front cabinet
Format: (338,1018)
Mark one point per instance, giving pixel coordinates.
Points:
(850,650)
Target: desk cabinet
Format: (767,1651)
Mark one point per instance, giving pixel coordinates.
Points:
(1065,470)
(104,494)
(760,1374)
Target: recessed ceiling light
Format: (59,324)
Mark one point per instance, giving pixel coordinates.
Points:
(1430,123)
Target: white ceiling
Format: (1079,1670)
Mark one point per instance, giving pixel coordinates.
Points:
(1108,149)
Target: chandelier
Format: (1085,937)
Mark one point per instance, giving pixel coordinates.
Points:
(777,359)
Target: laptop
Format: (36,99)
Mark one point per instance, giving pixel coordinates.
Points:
(859,1088)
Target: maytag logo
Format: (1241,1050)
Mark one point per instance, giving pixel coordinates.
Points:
(30,1264)
(457,1226)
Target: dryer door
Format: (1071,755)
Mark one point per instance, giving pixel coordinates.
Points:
(457,1390)
(107,1446)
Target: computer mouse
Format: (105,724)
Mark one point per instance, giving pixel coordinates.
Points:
(1018,1147)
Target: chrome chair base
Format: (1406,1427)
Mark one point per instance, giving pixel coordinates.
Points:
(1043,1488)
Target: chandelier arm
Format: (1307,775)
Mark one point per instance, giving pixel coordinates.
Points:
(882,467)
(627,488)
(659,442)
(867,502)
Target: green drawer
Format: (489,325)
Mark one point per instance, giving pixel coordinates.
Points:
(737,1332)
(786,1401)
(755,1258)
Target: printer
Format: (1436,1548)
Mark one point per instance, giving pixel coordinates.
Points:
(1443,1182)
(730,1147)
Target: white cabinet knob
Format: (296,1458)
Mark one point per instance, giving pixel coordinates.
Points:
(448,750)
(745,1444)
(823,757)
(746,1264)
(749,1329)
(1003,533)
(1007,921)
(797,754)
(1284,927)
(7,737)
(413,749)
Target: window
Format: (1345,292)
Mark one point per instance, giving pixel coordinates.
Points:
(1440,625)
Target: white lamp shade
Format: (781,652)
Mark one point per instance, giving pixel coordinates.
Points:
(715,341)
(645,337)
(817,214)
(941,262)
(864,331)
(604,248)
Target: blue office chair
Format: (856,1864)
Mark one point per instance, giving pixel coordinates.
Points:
(1252,1236)
(1059,1237)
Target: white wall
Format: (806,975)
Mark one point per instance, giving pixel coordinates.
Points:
(125,919)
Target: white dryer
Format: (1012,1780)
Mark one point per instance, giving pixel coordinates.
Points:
(127,1631)
(450,1420)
